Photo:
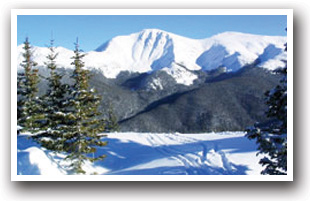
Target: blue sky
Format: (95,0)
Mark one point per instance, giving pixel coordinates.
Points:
(93,30)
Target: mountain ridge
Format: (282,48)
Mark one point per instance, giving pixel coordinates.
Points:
(152,50)
(169,83)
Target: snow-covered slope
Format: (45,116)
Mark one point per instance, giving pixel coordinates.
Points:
(234,50)
(153,49)
(226,153)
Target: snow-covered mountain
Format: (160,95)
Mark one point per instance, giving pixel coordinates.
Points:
(152,50)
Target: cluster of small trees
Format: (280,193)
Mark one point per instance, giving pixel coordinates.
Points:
(66,117)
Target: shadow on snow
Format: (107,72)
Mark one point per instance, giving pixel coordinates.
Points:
(122,157)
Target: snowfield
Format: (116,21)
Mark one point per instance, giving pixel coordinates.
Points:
(226,153)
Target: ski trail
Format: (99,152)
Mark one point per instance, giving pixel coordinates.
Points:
(187,160)
(194,156)
(157,143)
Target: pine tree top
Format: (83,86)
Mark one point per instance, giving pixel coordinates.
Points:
(28,63)
(51,57)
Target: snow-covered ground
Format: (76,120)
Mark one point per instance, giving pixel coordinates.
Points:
(227,153)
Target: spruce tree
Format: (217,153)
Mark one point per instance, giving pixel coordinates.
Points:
(55,108)
(84,125)
(28,103)
(272,136)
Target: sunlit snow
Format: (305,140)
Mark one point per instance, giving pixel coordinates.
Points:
(226,153)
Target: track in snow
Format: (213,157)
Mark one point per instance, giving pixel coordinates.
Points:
(197,158)
(227,153)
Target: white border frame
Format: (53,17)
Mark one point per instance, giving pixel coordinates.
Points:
(287,12)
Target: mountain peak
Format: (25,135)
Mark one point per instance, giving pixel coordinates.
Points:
(153,50)
(152,30)
(151,33)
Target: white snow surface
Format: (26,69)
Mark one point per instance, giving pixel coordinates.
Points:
(153,49)
(226,153)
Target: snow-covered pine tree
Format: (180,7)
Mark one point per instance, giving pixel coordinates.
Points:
(272,136)
(84,122)
(55,108)
(29,108)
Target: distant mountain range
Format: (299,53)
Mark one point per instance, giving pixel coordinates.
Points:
(152,49)
(162,82)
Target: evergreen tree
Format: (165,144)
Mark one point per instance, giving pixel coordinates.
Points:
(55,108)
(84,124)
(272,137)
(28,104)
